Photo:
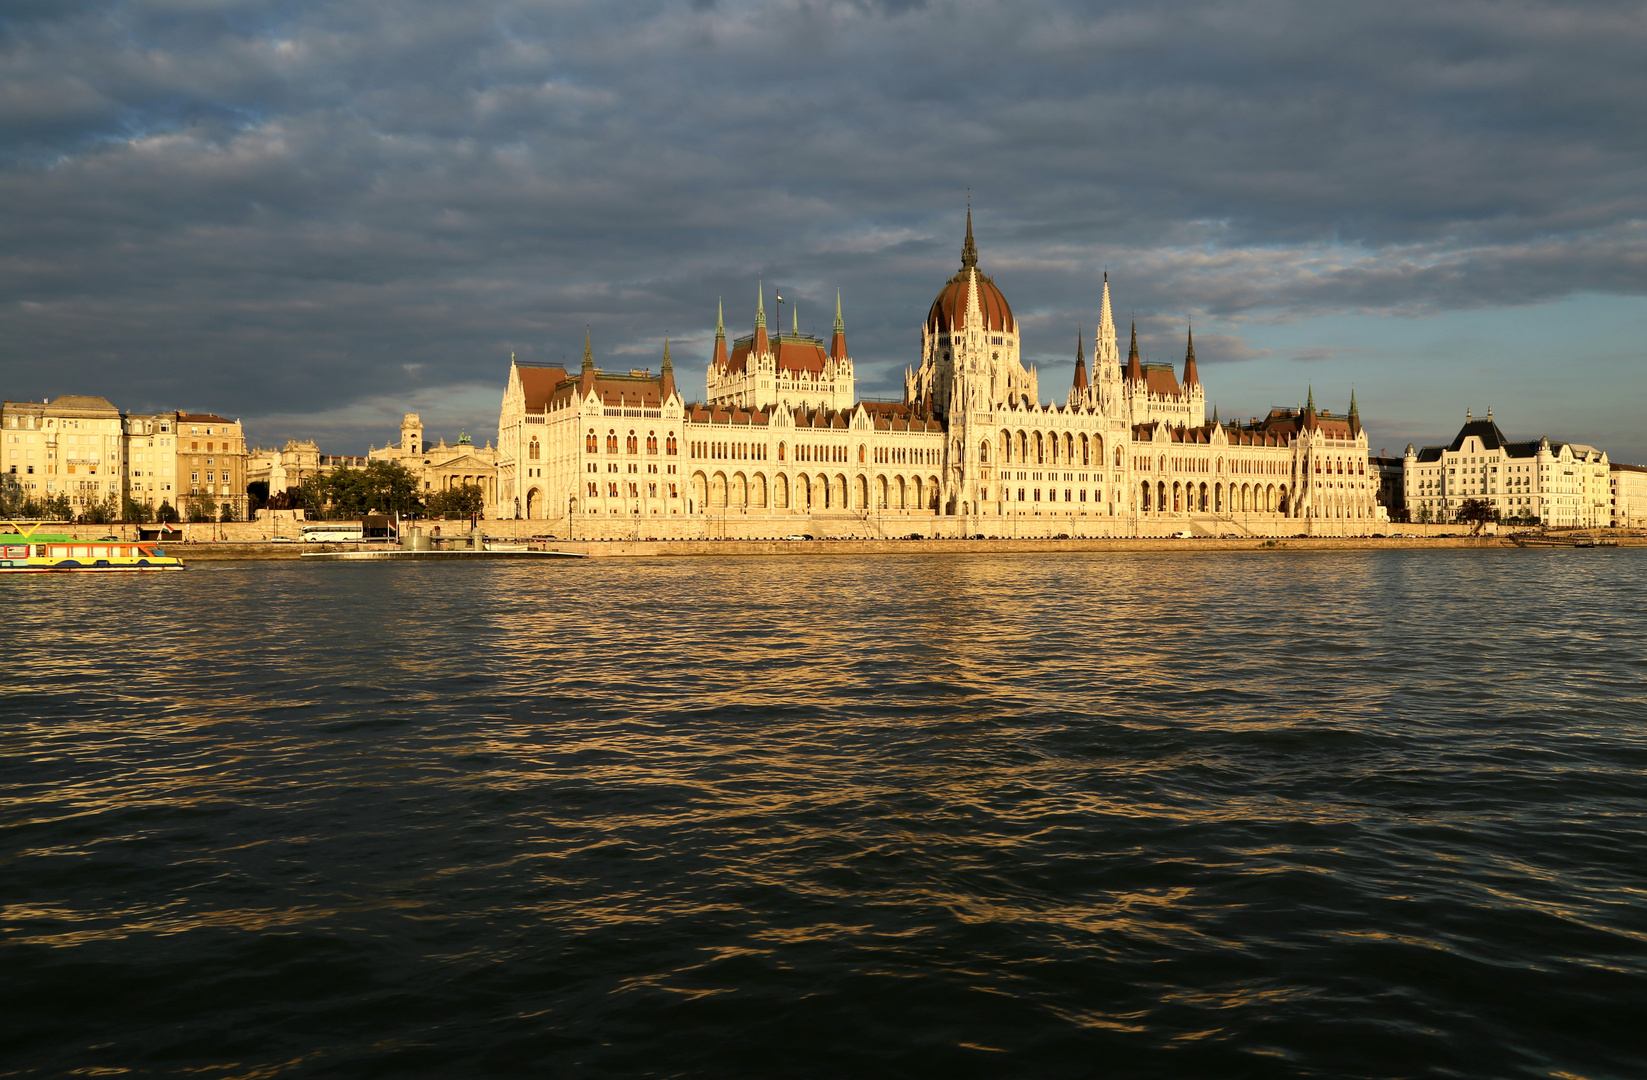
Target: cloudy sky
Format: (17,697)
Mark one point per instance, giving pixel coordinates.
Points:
(318,215)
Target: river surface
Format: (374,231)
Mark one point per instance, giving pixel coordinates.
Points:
(1357,814)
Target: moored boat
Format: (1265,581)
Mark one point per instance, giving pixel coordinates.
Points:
(26,550)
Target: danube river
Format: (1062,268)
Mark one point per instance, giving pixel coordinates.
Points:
(1361,814)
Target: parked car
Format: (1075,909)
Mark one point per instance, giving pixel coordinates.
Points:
(799,536)
(1183,534)
(282,540)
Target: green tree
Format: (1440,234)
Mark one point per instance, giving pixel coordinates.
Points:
(56,508)
(134,511)
(12,498)
(227,512)
(1477,512)
(101,513)
(458,502)
(257,497)
(202,507)
(166,513)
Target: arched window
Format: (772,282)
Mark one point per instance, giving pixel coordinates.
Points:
(861,452)
(1006,446)
(960,452)
(611,441)
(1040,449)
(671,444)
(782,448)
(651,442)
(589,443)
(1117,457)
(532,450)
(1086,452)
(632,444)
(983,452)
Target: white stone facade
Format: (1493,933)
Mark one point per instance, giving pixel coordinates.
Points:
(971,450)
(1560,484)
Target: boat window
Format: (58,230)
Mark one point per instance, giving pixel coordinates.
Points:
(81,552)
(100,552)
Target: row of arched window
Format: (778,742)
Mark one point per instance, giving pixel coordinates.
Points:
(631,443)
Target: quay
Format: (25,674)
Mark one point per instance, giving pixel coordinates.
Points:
(208,552)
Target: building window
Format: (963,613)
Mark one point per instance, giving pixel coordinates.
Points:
(589,444)
(532,450)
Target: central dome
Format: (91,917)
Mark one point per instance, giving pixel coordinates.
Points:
(949,309)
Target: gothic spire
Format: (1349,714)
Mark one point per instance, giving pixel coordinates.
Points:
(969,250)
(720,318)
(795,320)
(760,307)
(1309,405)
(837,341)
(1357,412)
(1080,362)
(1191,375)
(588,356)
(1135,370)
(1103,344)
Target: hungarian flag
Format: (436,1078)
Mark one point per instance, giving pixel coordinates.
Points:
(780,295)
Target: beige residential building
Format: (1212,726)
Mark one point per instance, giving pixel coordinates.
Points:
(211,463)
(1628,503)
(151,459)
(1561,484)
(69,445)
(439,467)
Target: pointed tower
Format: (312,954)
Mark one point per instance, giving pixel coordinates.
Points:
(717,360)
(1080,368)
(666,385)
(837,341)
(1192,377)
(795,320)
(761,348)
(1135,370)
(1105,355)
(969,250)
(586,374)
(1355,414)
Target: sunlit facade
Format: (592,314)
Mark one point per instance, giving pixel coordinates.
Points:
(971,449)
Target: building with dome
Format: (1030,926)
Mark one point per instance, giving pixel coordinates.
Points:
(782,446)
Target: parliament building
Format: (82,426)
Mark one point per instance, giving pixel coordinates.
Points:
(783,446)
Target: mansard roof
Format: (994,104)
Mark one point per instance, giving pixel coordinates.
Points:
(1485,430)
(1161,380)
(792,353)
(538,383)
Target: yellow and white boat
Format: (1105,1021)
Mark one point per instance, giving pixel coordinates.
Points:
(26,550)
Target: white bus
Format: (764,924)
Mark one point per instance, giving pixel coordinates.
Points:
(322,532)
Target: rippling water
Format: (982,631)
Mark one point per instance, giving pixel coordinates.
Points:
(1334,815)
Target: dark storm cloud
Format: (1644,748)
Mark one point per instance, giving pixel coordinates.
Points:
(281,209)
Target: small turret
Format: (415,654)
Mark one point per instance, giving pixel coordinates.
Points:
(761,347)
(588,356)
(1191,375)
(666,387)
(837,341)
(1355,415)
(1080,365)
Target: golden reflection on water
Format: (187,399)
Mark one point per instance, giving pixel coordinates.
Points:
(970,772)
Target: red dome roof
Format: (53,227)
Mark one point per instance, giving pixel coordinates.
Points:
(950,308)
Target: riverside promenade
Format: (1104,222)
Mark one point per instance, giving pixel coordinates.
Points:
(212,552)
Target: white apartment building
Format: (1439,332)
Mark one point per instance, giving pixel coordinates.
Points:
(1561,484)
(1628,495)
